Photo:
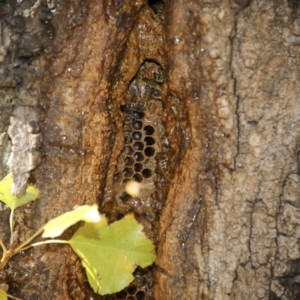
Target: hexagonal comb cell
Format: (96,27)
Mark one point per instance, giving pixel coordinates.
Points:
(140,295)
(117,177)
(146,173)
(126,180)
(149,151)
(121,295)
(137,125)
(128,172)
(125,196)
(131,290)
(138,146)
(128,150)
(129,161)
(138,115)
(136,135)
(148,130)
(138,156)
(137,177)
(149,141)
(138,167)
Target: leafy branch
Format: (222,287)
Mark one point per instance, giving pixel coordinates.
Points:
(109,253)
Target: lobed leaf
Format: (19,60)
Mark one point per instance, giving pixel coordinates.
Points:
(13,201)
(56,226)
(110,253)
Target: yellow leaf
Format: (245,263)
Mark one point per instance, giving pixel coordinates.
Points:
(3,295)
(13,201)
(86,213)
(110,253)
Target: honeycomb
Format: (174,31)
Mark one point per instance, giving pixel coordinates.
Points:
(143,159)
(139,148)
(144,138)
(136,291)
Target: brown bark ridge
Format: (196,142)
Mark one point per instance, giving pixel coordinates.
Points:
(229,227)
(66,53)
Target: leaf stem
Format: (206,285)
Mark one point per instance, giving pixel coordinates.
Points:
(4,249)
(5,255)
(23,246)
(45,242)
(11,226)
(12,297)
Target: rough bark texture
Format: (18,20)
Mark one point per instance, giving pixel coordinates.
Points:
(229,227)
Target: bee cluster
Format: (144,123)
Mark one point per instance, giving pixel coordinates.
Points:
(132,120)
(147,83)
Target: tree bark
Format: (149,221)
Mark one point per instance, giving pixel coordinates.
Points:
(229,226)
(226,200)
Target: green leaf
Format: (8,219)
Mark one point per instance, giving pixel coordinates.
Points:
(55,227)
(110,253)
(3,295)
(13,201)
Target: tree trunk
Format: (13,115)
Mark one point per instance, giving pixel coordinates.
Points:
(214,85)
